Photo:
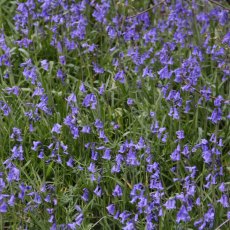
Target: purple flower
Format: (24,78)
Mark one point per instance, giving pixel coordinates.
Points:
(186,151)
(111,32)
(117,191)
(124,216)
(71,99)
(62,60)
(56,128)
(24,42)
(180,134)
(3,207)
(116,168)
(170,204)
(131,158)
(14,90)
(70,162)
(82,88)
(207,156)
(174,113)
(97,69)
(228,215)
(102,89)
(17,153)
(85,195)
(175,155)
(198,203)
(98,191)
(92,168)
(14,174)
(36,144)
(152,114)
(129,226)
(72,225)
(222,187)
(79,219)
(5,108)
(47,199)
(16,134)
(182,215)
(103,136)
(120,76)
(207,221)
(11,201)
(41,154)
(98,124)
(130,101)
(165,73)
(90,100)
(45,65)
(224,201)
(111,209)
(106,154)
(94,155)
(60,74)
(226,38)
(218,101)
(39,91)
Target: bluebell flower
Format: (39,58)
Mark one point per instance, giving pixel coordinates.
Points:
(116,168)
(224,201)
(2,184)
(124,216)
(130,101)
(98,191)
(11,201)
(165,73)
(17,153)
(71,99)
(111,209)
(79,219)
(183,215)
(97,69)
(5,108)
(228,215)
(170,204)
(82,88)
(107,155)
(92,168)
(175,155)
(216,115)
(129,226)
(85,195)
(120,76)
(98,124)
(56,128)
(3,207)
(60,74)
(226,38)
(222,187)
(41,154)
(45,65)
(70,162)
(102,89)
(13,90)
(86,129)
(62,60)
(90,100)
(180,134)
(14,174)
(117,192)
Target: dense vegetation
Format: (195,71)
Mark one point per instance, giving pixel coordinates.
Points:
(114,114)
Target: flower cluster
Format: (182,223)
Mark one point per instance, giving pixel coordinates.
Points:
(115,114)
